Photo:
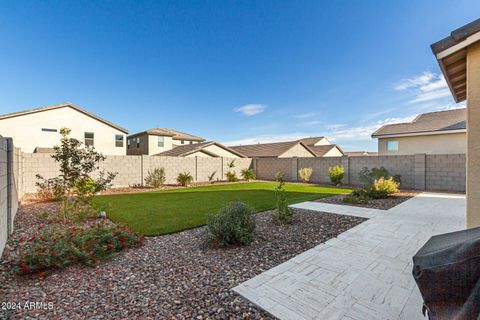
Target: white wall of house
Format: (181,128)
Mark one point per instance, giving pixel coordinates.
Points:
(177,142)
(32,130)
(297,151)
(155,147)
(452,143)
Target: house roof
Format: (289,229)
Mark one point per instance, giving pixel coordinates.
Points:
(432,122)
(175,134)
(451,53)
(185,150)
(264,150)
(320,151)
(58,106)
(43,150)
(311,141)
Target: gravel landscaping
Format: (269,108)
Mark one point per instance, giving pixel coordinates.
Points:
(171,276)
(382,204)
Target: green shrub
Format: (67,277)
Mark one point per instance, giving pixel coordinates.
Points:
(184,178)
(367,176)
(59,247)
(155,178)
(356,198)
(305,174)
(234,224)
(231,176)
(248,174)
(282,214)
(388,186)
(336,174)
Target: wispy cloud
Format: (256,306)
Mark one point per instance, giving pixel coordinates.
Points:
(251,109)
(336,132)
(311,123)
(305,115)
(428,86)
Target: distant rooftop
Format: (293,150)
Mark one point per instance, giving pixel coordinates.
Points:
(441,121)
(175,134)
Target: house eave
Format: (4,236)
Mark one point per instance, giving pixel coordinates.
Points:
(423,133)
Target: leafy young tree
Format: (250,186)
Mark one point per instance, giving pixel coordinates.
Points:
(74,185)
(282,214)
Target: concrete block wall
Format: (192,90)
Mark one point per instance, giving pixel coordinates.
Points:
(421,172)
(3,193)
(172,165)
(128,169)
(445,172)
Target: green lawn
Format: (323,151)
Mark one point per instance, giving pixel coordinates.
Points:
(168,211)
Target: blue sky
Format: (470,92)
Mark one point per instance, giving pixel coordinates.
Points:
(232,71)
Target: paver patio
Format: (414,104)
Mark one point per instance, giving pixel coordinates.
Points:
(365,273)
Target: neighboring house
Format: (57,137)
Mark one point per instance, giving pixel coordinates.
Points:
(39,129)
(442,132)
(308,147)
(203,149)
(360,153)
(157,140)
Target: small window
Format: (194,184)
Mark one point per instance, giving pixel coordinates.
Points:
(182,141)
(89,139)
(49,130)
(119,140)
(392,145)
(161,141)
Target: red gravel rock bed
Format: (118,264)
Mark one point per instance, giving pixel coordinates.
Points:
(172,276)
(382,204)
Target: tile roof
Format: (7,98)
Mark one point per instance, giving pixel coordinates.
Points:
(263,150)
(320,151)
(185,150)
(427,122)
(175,134)
(58,106)
(311,141)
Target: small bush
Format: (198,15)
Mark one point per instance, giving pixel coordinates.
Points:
(184,178)
(234,224)
(231,176)
(155,178)
(336,174)
(59,247)
(367,176)
(49,189)
(355,198)
(248,174)
(388,186)
(282,214)
(305,174)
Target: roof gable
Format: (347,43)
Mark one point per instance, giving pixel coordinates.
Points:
(185,150)
(58,106)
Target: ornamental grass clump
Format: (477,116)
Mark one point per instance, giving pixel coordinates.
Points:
(61,246)
(155,178)
(234,224)
(248,174)
(184,179)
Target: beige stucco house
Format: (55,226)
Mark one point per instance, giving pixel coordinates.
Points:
(442,132)
(307,147)
(459,58)
(38,129)
(157,140)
